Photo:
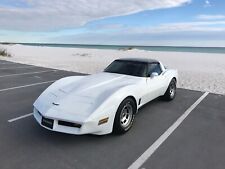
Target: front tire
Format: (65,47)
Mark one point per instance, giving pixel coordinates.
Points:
(171,91)
(124,116)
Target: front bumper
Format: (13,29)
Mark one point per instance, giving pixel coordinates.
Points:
(65,126)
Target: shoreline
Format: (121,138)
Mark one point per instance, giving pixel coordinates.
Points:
(197,71)
(190,49)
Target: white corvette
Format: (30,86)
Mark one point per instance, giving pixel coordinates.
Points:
(105,102)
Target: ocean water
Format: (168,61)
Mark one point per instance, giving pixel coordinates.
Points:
(148,48)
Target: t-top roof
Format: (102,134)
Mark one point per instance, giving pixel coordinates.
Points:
(144,60)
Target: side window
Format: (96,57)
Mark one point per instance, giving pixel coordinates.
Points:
(154,67)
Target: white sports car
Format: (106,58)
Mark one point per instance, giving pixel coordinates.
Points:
(104,102)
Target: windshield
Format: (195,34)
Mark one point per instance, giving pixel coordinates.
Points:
(128,68)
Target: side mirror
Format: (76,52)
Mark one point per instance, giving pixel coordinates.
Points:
(154,74)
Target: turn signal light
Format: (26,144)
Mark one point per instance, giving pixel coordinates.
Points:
(103,121)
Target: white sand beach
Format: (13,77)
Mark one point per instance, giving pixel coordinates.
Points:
(197,71)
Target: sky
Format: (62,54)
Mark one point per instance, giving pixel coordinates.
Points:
(114,22)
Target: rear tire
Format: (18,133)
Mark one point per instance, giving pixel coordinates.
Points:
(124,116)
(171,91)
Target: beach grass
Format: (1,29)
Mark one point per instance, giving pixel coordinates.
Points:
(4,53)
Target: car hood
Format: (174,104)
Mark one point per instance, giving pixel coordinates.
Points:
(83,96)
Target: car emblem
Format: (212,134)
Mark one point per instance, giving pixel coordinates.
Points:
(56,104)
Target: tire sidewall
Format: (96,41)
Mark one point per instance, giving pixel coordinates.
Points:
(173,82)
(167,95)
(117,127)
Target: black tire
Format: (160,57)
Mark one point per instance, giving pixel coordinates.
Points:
(122,123)
(171,91)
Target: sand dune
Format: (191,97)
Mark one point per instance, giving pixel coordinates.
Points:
(197,71)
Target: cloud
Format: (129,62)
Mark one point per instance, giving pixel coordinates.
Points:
(210,17)
(211,33)
(195,26)
(143,38)
(207,3)
(203,26)
(43,15)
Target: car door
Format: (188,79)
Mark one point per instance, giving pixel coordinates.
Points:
(154,82)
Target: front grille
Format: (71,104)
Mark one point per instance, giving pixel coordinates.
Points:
(69,124)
